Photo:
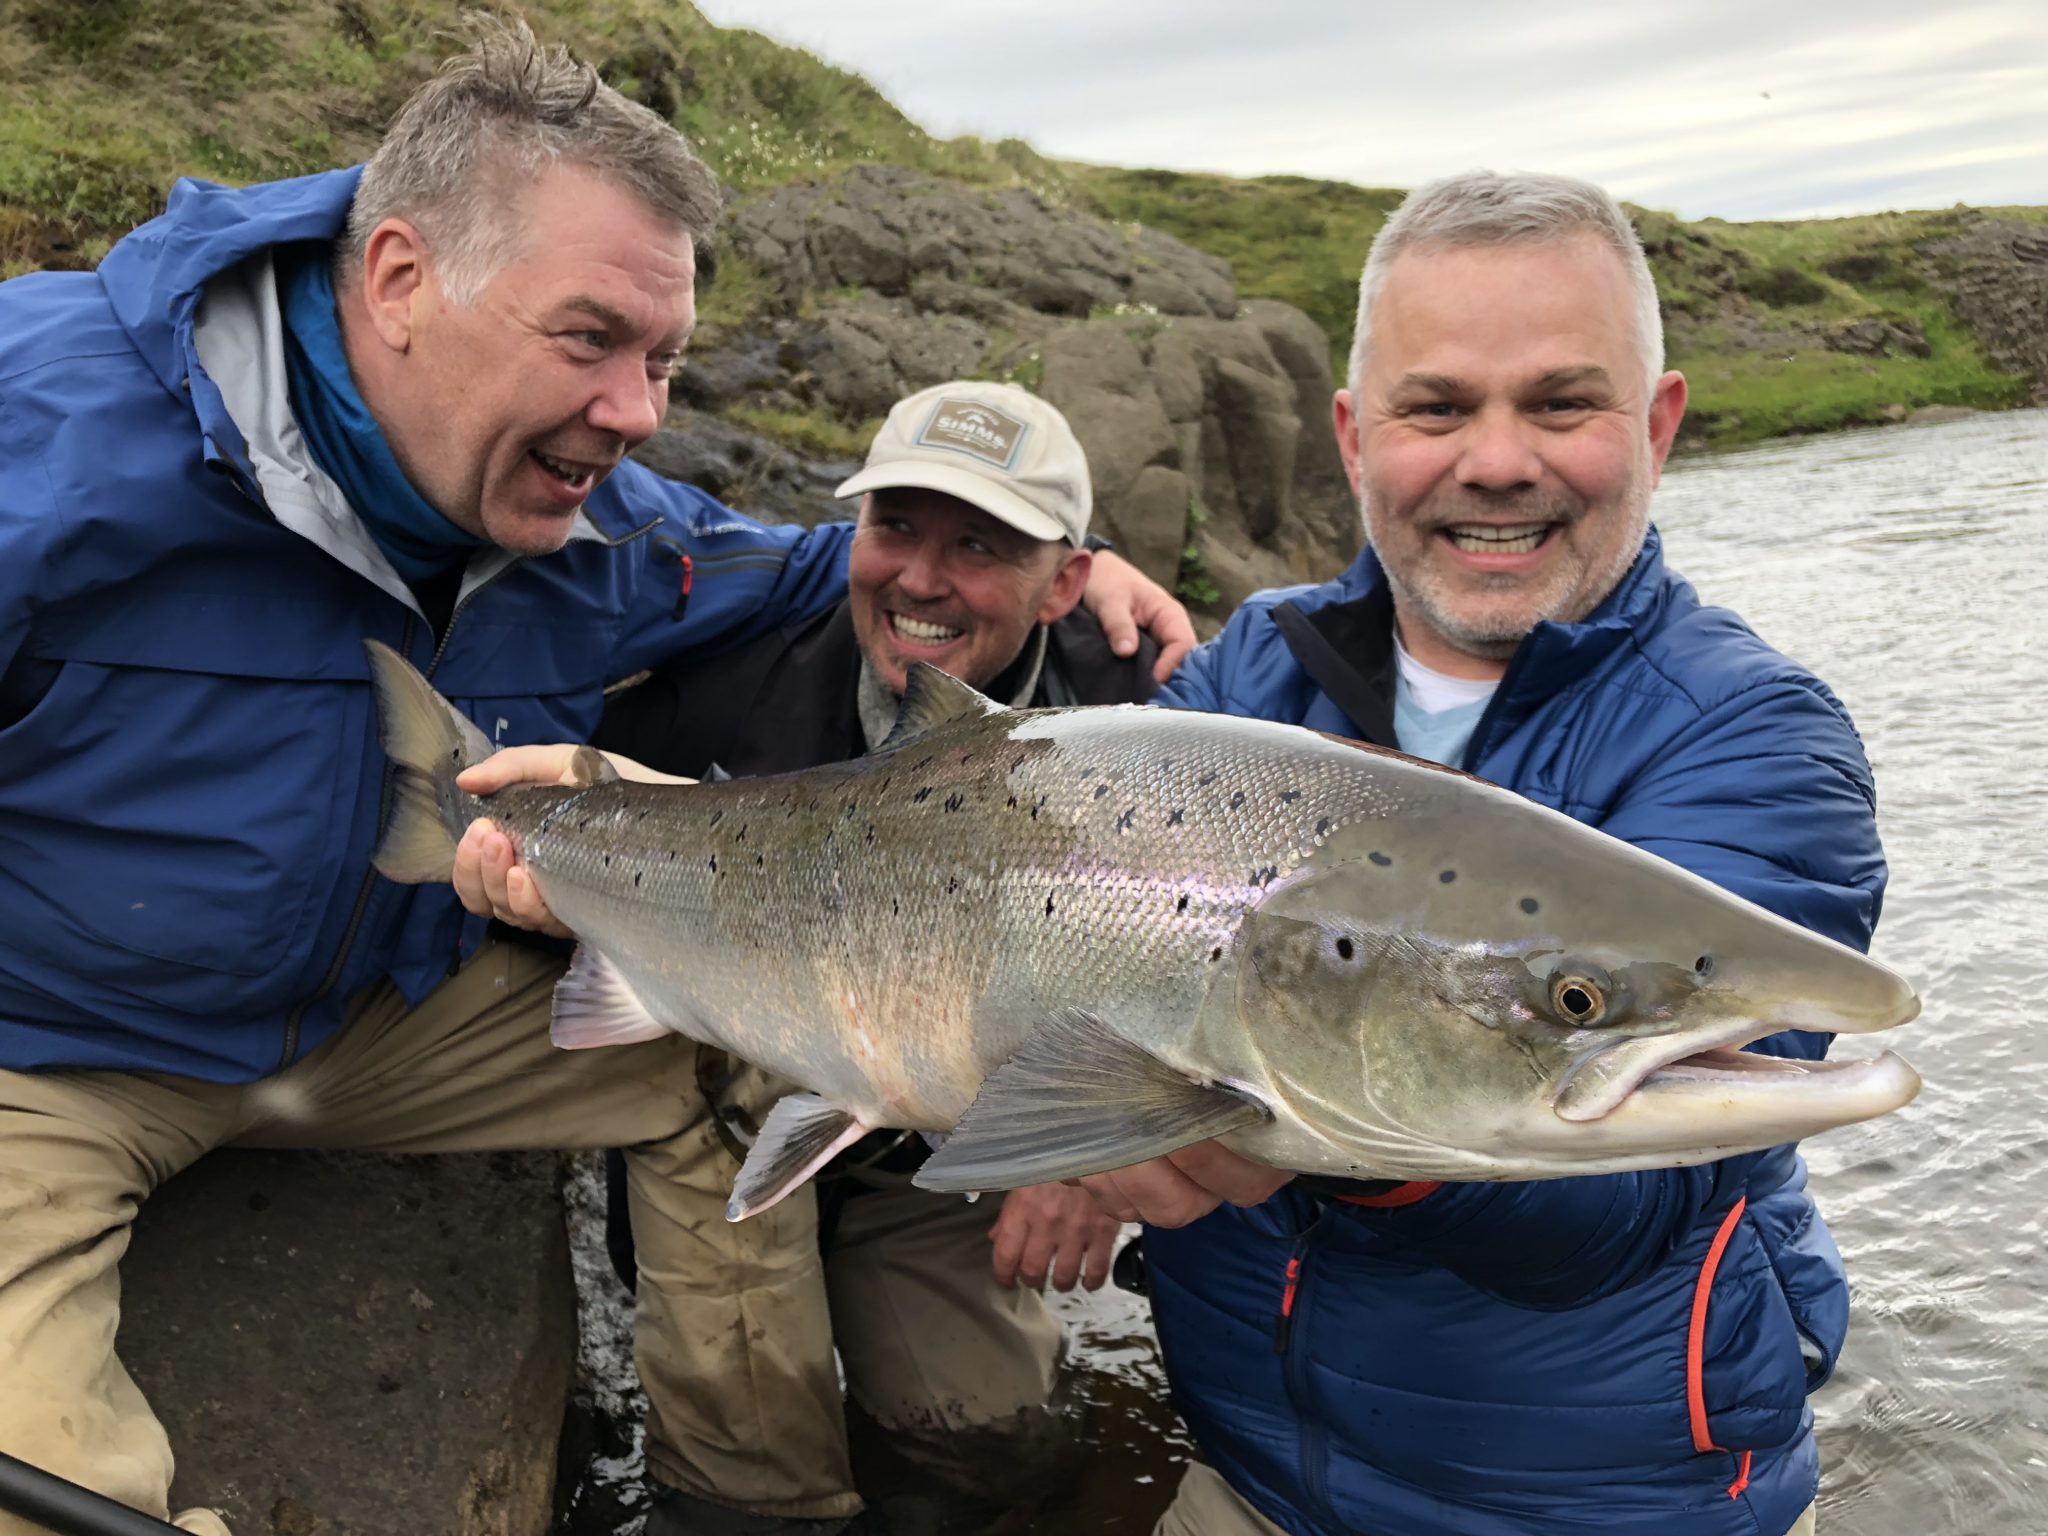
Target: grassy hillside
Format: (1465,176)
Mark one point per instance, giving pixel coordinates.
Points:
(103,103)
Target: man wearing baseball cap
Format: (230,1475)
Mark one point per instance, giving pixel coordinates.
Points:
(970,554)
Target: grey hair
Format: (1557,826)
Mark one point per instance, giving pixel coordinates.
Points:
(496,117)
(1485,208)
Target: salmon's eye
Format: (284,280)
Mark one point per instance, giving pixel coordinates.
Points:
(1578,999)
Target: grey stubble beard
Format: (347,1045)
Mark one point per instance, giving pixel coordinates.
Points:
(1497,636)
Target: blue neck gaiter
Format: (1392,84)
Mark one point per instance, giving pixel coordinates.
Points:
(344,438)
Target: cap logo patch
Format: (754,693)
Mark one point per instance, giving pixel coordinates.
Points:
(968,426)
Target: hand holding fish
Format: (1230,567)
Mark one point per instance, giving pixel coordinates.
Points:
(1055,1233)
(488,876)
(1183,1186)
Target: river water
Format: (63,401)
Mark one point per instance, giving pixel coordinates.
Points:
(1909,568)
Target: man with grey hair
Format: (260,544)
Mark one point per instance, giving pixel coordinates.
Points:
(389,403)
(1631,1352)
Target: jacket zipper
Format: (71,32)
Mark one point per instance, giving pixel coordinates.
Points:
(1292,1344)
(385,792)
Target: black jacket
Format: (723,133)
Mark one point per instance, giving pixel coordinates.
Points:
(789,700)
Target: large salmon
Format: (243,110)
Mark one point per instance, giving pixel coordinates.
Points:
(1074,939)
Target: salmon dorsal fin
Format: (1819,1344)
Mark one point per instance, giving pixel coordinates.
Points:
(932,698)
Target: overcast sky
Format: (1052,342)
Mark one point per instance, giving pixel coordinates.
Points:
(1748,109)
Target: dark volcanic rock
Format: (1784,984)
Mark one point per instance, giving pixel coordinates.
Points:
(882,227)
(1205,421)
(357,1346)
(748,472)
(1996,272)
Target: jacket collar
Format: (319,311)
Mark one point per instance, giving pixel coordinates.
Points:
(1347,646)
(154,275)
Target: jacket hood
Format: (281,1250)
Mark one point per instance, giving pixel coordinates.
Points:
(155,274)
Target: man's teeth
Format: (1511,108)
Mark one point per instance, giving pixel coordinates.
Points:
(923,633)
(1481,539)
(568,474)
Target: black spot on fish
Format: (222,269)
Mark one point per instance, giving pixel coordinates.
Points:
(607,861)
(1289,796)
(1101,790)
(1237,799)
(852,806)
(895,907)
(922,795)
(954,802)
(952,884)
(717,817)
(1013,802)
(1345,948)
(636,875)
(1048,905)
(1265,877)
(714,863)
(672,855)
(966,757)
(1207,778)
(760,859)
(1019,763)
(1531,905)
(1447,876)
(1182,904)
(741,835)
(1322,826)
(583,825)
(1175,817)
(1123,822)
(1380,859)
(1216,954)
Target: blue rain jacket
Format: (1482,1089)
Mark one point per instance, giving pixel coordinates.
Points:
(190,777)
(1619,1353)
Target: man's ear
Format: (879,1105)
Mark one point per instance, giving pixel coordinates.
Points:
(1344,418)
(1067,585)
(394,282)
(1667,409)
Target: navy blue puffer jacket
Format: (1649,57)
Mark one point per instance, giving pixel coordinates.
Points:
(1622,1353)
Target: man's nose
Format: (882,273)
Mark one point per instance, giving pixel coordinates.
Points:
(923,575)
(1497,451)
(630,403)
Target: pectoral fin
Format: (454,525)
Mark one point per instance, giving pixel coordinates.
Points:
(596,1005)
(801,1134)
(1078,1099)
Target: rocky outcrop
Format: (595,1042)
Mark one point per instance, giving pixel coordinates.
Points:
(1204,417)
(1995,272)
(425,1311)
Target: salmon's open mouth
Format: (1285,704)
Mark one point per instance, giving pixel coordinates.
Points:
(1716,1065)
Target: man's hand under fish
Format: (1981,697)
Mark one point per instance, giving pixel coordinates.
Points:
(1168,1191)
(488,875)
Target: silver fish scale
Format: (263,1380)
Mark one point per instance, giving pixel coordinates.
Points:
(889,930)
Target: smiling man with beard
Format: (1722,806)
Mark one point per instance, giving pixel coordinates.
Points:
(969,554)
(1631,1352)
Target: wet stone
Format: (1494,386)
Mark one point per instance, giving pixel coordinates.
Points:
(272,1309)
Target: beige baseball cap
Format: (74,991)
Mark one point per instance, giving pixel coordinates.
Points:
(995,446)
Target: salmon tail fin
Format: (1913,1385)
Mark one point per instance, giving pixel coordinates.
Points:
(429,742)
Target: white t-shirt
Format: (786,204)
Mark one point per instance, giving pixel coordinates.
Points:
(1435,714)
